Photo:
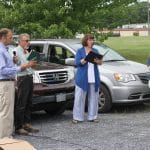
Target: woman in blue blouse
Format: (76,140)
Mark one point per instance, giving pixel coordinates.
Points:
(87,81)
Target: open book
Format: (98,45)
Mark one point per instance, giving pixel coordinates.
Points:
(92,55)
(33,55)
(148,62)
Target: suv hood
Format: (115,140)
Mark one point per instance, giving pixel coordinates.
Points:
(48,66)
(125,67)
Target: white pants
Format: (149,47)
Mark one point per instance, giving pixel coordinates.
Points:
(7,93)
(79,103)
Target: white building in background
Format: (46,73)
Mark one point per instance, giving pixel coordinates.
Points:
(140,29)
(135,26)
(79,35)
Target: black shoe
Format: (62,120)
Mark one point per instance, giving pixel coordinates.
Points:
(94,120)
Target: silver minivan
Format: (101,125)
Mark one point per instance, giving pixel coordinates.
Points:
(122,80)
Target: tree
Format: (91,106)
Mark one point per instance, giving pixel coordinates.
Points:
(137,13)
(63,17)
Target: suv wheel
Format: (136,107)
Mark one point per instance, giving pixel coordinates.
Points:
(104,102)
(56,108)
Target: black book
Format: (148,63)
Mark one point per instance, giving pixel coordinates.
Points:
(92,55)
(33,55)
(148,62)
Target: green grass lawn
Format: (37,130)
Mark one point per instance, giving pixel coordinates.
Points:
(133,48)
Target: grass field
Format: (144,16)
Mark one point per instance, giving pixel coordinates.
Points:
(133,48)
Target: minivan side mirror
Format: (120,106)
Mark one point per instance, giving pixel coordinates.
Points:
(70,61)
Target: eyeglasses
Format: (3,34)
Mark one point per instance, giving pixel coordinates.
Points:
(26,40)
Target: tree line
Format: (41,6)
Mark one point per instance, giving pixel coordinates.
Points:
(64,18)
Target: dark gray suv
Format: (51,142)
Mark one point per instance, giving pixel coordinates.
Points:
(53,86)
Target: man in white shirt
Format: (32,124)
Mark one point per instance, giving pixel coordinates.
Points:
(23,102)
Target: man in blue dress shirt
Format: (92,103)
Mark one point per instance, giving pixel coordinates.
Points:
(8,72)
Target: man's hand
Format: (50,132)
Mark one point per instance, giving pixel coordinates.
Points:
(28,65)
(15,59)
(32,63)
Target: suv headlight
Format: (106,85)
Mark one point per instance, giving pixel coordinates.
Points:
(71,72)
(127,77)
(36,78)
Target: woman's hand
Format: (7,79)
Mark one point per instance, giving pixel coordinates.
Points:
(98,61)
(148,67)
(83,61)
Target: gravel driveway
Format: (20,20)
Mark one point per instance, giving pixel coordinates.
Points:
(124,128)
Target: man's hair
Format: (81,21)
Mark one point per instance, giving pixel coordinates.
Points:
(85,38)
(22,35)
(4,32)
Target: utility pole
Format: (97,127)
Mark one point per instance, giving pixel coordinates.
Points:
(148,19)
(148,23)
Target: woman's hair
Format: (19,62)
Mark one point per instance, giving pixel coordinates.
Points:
(87,37)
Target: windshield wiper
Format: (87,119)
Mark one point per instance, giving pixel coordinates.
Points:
(114,60)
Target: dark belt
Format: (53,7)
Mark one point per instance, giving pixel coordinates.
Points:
(7,79)
(29,75)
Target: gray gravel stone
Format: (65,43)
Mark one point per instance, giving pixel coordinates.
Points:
(124,128)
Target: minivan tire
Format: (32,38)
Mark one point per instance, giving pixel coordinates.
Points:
(104,101)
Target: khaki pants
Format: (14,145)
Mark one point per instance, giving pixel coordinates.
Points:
(7,93)
(15,144)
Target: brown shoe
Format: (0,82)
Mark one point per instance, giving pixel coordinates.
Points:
(29,128)
(22,131)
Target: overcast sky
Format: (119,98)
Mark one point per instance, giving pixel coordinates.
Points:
(144,0)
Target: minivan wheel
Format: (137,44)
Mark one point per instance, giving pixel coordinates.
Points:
(56,108)
(104,101)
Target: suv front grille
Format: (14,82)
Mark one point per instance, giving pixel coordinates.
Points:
(53,77)
(144,77)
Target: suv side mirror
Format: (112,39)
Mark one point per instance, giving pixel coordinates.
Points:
(70,61)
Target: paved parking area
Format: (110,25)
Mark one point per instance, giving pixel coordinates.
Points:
(124,128)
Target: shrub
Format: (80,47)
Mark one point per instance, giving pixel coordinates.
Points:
(135,33)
